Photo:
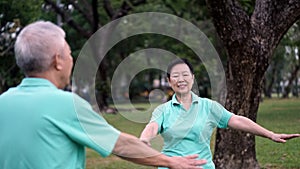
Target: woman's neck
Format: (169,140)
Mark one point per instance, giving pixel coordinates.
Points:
(184,98)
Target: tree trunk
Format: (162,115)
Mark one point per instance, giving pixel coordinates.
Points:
(269,86)
(250,42)
(296,91)
(293,76)
(102,86)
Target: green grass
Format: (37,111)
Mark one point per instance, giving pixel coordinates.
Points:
(277,115)
(122,121)
(281,116)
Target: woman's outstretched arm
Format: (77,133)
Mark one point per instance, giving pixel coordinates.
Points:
(245,124)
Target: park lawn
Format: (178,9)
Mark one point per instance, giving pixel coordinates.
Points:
(278,115)
(281,116)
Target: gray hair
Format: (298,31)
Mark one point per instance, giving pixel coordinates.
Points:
(37,44)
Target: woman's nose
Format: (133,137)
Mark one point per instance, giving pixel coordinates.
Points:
(180,78)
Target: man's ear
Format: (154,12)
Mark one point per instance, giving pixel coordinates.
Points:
(58,62)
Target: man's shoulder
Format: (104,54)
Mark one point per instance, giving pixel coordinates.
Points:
(68,95)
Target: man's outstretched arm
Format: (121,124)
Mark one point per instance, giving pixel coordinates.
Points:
(132,149)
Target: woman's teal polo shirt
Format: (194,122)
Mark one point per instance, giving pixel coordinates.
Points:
(44,127)
(189,132)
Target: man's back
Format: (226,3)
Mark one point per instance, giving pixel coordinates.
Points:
(39,128)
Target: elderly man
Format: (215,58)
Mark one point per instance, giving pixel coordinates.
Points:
(42,126)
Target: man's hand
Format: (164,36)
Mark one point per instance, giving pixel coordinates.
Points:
(282,138)
(187,162)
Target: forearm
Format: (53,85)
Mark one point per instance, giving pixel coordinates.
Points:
(247,125)
(132,149)
(157,161)
(149,132)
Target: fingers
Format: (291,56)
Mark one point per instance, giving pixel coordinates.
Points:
(282,138)
(195,167)
(191,156)
(281,141)
(189,161)
(201,162)
(195,162)
(290,136)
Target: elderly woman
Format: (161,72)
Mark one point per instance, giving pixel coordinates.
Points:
(187,121)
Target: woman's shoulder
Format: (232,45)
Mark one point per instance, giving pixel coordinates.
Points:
(205,100)
(165,104)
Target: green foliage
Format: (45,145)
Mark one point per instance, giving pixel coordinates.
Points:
(13,16)
(194,11)
(27,11)
(285,58)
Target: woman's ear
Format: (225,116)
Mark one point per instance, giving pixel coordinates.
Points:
(168,79)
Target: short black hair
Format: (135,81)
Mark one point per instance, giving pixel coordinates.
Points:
(179,61)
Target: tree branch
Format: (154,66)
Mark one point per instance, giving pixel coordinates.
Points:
(126,7)
(85,10)
(275,16)
(172,9)
(11,46)
(86,4)
(65,16)
(108,8)
(95,15)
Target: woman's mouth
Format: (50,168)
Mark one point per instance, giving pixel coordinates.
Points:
(181,85)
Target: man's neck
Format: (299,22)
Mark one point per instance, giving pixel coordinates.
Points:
(46,75)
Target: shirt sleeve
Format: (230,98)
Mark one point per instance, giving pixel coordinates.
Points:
(157,116)
(92,130)
(220,114)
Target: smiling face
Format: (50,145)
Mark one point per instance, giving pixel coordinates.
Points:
(181,79)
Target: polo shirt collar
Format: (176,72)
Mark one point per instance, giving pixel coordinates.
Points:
(34,82)
(194,98)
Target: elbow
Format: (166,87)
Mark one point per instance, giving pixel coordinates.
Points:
(236,121)
(124,141)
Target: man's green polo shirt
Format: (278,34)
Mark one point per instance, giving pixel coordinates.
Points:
(43,127)
(189,132)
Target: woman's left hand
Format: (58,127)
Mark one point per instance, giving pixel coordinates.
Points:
(282,138)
